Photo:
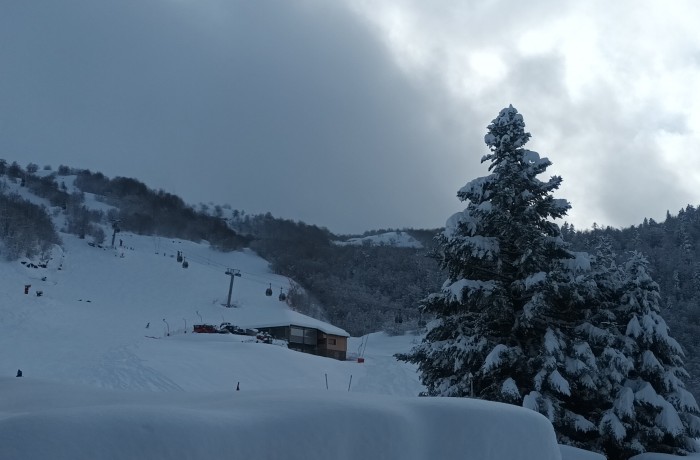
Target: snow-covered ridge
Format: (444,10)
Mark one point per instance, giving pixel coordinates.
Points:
(397,239)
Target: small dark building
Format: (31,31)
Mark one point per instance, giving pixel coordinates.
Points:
(331,342)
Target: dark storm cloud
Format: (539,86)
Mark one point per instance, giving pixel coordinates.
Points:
(358,114)
(295,108)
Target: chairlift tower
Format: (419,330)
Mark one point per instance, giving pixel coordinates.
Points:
(115,230)
(232,273)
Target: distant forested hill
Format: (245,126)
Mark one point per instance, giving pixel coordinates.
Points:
(125,204)
(364,288)
(361,288)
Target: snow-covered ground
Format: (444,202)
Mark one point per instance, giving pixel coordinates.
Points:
(398,239)
(50,420)
(111,369)
(103,379)
(104,317)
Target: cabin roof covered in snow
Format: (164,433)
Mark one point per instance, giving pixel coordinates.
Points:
(293,318)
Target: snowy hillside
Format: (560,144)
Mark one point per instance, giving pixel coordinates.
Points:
(112,369)
(96,358)
(397,239)
(90,324)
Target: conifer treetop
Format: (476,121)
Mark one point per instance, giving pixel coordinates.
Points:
(506,132)
(515,169)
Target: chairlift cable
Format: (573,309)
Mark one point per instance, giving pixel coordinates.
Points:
(262,279)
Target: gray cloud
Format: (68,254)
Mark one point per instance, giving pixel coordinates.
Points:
(608,91)
(351,116)
(294,108)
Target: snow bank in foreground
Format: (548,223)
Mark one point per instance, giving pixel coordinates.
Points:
(41,420)
(572,453)
(652,456)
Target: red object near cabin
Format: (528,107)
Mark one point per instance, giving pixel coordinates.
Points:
(204,329)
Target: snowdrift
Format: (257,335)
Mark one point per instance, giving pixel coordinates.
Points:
(40,420)
(573,453)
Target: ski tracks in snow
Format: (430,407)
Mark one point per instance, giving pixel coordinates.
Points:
(383,375)
(122,369)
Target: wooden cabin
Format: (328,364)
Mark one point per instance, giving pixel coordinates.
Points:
(331,342)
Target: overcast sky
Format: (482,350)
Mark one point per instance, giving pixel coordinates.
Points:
(356,115)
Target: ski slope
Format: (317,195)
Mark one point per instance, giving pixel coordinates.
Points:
(89,325)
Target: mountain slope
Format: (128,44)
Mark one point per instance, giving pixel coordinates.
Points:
(90,323)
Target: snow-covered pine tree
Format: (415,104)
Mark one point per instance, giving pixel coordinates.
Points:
(566,384)
(512,297)
(652,410)
(599,332)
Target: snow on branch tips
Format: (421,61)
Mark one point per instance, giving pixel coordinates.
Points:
(580,423)
(509,389)
(648,395)
(482,247)
(669,420)
(454,290)
(533,159)
(559,383)
(494,358)
(624,403)
(561,205)
(551,342)
(532,401)
(477,190)
(612,425)
(634,329)
(684,400)
(535,279)
(650,363)
(453,223)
